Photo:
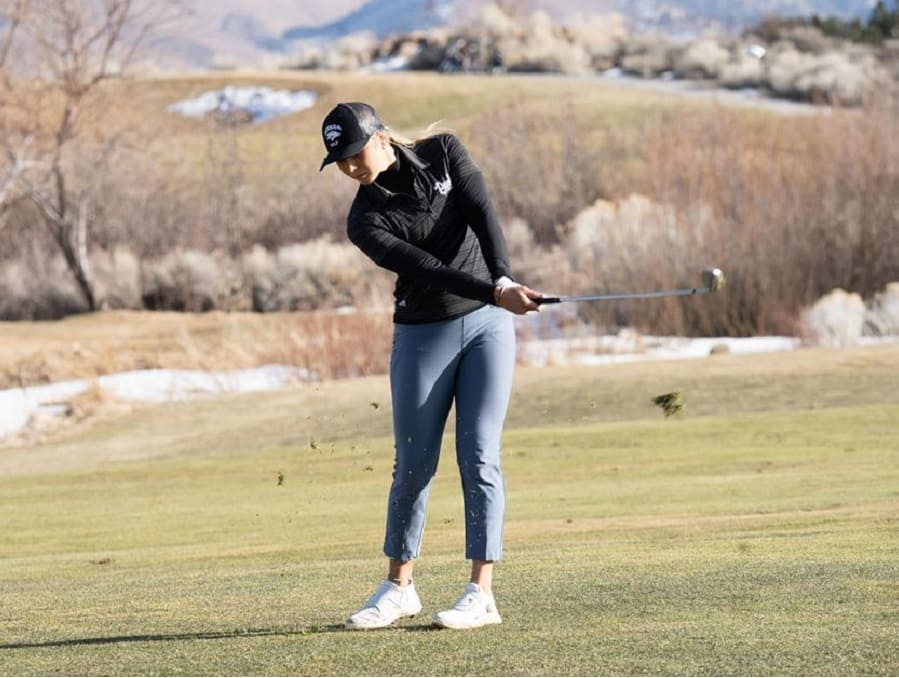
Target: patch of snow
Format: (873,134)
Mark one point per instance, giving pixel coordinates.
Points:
(629,347)
(756,51)
(387,65)
(260,103)
(169,385)
(18,406)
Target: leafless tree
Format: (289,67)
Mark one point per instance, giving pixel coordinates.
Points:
(16,153)
(54,57)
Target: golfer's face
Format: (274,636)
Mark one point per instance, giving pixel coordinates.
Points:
(368,163)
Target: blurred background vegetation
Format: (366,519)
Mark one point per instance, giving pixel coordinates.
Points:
(109,201)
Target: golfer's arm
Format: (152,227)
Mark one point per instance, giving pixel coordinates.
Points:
(397,255)
(481,217)
(470,190)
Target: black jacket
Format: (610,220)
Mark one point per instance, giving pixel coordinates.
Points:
(429,219)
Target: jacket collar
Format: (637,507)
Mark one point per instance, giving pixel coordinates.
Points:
(410,155)
(381,195)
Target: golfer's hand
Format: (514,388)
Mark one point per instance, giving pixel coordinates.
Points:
(517,299)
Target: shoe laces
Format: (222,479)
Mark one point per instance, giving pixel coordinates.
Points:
(384,594)
(470,599)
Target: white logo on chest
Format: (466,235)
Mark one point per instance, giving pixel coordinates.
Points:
(332,134)
(445,186)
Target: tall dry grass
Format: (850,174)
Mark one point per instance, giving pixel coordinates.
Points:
(334,345)
(542,165)
(790,207)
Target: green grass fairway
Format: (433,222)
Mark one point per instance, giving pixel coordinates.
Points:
(756,534)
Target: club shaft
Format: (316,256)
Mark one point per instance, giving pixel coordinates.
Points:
(683,292)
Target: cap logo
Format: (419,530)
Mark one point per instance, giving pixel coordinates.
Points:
(332,134)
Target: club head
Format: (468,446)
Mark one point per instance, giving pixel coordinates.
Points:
(713,279)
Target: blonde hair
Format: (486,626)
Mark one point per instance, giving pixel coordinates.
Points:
(432,130)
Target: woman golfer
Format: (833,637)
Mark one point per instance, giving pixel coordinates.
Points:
(422,211)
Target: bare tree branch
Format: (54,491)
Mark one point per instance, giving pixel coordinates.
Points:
(45,92)
(19,163)
(14,14)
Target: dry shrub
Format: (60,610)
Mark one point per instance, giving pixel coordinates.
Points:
(350,52)
(613,247)
(634,226)
(835,77)
(783,67)
(544,166)
(307,57)
(301,204)
(117,276)
(89,402)
(648,56)
(882,316)
(834,320)
(184,280)
(314,274)
(224,200)
(38,288)
(542,46)
(804,38)
(497,23)
(336,345)
(746,71)
(789,207)
(702,59)
(519,238)
(147,207)
(544,267)
(417,51)
(429,53)
(603,38)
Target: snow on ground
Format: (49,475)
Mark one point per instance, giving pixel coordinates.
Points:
(18,406)
(629,347)
(261,103)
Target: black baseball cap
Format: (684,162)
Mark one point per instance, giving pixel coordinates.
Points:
(346,130)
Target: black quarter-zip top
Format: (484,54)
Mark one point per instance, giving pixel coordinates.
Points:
(429,218)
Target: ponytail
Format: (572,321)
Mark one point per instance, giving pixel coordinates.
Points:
(431,130)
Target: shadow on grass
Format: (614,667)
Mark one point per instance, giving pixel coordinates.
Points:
(167,637)
(211,635)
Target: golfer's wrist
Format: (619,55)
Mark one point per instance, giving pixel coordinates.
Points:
(498,295)
(501,284)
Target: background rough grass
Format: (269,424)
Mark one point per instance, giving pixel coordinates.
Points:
(754,535)
(790,206)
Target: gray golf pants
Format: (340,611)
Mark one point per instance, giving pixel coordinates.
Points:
(469,360)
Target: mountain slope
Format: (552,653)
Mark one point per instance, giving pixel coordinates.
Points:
(380,17)
(243,33)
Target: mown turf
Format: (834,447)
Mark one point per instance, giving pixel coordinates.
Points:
(729,540)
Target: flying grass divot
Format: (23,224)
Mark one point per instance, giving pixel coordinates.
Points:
(671,403)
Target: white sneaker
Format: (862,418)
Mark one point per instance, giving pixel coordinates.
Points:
(389,603)
(475,608)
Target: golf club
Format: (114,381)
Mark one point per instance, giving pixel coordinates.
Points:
(712,281)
